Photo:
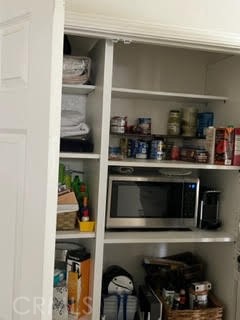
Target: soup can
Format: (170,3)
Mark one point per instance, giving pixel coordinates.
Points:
(118,124)
(157,150)
(144,125)
(142,150)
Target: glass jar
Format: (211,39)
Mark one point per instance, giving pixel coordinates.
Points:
(174,123)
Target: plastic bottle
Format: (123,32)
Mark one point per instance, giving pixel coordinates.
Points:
(84,210)
(183,299)
(68,178)
(61,173)
(76,187)
(82,193)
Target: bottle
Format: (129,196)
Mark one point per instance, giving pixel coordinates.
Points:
(68,178)
(84,210)
(76,187)
(61,173)
(82,193)
(183,299)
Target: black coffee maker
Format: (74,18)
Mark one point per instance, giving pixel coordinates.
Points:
(208,217)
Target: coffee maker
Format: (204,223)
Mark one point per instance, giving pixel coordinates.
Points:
(208,217)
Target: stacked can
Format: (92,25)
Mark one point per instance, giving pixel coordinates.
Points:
(157,150)
(118,124)
(144,125)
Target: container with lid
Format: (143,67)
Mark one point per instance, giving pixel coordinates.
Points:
(174,123)
(189,121)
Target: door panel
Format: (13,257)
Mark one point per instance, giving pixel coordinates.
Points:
(31,36)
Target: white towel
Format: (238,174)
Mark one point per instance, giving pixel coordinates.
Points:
(81,129)
(71,118)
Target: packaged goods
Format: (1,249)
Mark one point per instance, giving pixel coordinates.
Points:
(224,145)
(209,144)
(174,123)
(236,148)
(204,120)
(144,125)
(78,270)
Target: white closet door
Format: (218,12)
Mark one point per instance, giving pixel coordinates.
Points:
(31,34)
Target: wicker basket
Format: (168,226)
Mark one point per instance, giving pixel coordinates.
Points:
(66,220)
(213,312)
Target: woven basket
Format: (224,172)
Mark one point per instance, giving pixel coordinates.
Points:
(66,220)
(213,312)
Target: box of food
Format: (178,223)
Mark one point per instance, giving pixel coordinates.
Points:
(224,141)
(236,147)
(78,272)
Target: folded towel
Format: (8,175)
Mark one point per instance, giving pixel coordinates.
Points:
(71,118)
(81,129)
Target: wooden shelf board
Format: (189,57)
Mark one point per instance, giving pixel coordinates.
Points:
(167,237)
(168,164)
(76,155)
(75,234)
(161,95)
(77,89)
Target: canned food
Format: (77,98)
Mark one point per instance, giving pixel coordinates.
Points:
(119,121)
(158,150)
(142,149)
(118,124)
(144,125)
(124,147)
(117,129)
(175,153)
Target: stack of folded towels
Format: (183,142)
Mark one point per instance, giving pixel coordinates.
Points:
(72,124)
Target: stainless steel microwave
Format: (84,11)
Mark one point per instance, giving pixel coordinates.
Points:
(152,202)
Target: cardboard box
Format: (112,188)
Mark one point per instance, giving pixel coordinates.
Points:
(209,144)
(67,203)
(78,272)
(236,147)
(224,145)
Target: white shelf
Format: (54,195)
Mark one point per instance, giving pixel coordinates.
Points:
(161,95)
(168,164)
(75,155)
(75,234)
(167,237)
(77,89)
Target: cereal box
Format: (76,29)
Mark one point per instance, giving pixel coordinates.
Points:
(236,147)
(224,146)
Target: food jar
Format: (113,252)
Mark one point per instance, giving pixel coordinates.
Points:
(174,123)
